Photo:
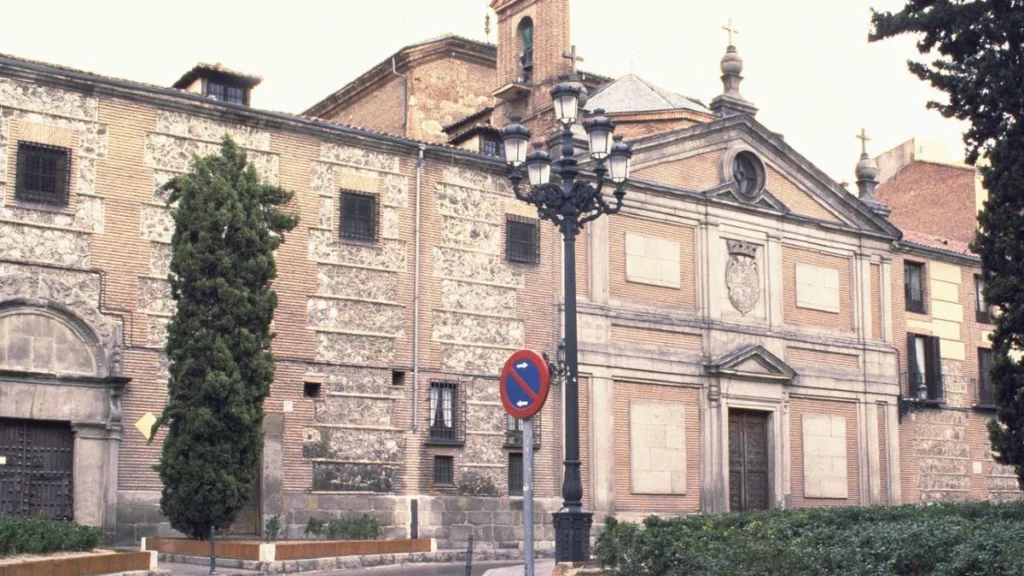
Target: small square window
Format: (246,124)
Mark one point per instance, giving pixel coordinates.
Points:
(491,145)
(397,378)
(522,239)
(913,286)
(311,389)
(444,470)
(42,174)
(225,92)
(359,216)
(515,474)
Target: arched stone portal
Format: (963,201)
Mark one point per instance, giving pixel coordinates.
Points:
(60,373)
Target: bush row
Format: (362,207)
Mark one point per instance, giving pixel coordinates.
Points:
(365,527)
(42,536)
(940,539)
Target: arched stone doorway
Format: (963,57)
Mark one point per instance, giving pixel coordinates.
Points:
(60,400)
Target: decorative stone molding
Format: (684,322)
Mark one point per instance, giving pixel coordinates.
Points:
(155,297)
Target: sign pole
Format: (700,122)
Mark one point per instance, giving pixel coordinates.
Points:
(528,495)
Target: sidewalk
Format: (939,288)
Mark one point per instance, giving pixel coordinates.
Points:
(540,568)
(194,570)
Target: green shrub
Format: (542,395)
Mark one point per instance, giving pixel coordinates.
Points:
(365,527)
(314,527)
(37,535)
(940,539)
(273,528)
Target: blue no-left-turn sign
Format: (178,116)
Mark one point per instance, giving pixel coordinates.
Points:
(524,382)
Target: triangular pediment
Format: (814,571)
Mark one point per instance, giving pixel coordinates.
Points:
(753,362)
(698,159)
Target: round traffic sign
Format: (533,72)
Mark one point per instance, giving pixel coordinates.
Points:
(524,383)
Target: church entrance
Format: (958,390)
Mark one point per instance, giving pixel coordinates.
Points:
(36,460)
(748,460)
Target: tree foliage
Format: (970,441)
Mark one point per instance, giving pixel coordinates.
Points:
(227,226)
(976,58)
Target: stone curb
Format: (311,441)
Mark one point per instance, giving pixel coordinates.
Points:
(353,562)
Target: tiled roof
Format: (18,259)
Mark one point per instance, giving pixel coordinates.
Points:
(951,245)
(188,77)
(634,94)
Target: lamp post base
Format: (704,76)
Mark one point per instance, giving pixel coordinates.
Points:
(572,535)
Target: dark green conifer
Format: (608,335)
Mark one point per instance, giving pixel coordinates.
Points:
(227,226)
(976,56)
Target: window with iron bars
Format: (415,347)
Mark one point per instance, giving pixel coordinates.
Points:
(986,393)
(515,474)
(225,92)
(491,145)
(522,239)
(447,414)
(359,216)
(444,470)
(514,431)
(923,379)
(43,174)
(982,309)
(913,286)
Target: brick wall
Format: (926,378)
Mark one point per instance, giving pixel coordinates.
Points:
(379,109)
(625,499)
(794,198)
(625,290)
(699,172)
(848,410)
(793,315)
(933,198)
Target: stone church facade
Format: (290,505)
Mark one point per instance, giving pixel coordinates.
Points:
(744,320)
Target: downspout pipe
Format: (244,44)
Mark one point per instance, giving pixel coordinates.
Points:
(416,298)
(405,98)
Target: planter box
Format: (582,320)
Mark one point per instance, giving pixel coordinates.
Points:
(83,565)
(275,551)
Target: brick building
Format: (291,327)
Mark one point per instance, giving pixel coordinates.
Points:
(743,323)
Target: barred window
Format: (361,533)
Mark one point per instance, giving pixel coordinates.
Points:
(491,145)
(225,92)
(443,411)
(359,216)
(982,310)
(986,395)
(522,239)
(913,286)
(924,375)
(444,467)
(42,174)
(515,474)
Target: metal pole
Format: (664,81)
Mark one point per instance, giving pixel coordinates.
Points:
(469,557)
(213,550)
(528,495)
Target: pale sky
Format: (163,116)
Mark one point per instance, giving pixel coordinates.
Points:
(808,65)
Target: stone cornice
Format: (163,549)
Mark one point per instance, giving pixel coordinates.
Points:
(114,382)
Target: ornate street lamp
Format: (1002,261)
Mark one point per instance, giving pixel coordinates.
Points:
(570,204)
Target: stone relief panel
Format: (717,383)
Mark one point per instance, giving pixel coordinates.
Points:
(155,297)
(651,260)
(742,276)
(817,287)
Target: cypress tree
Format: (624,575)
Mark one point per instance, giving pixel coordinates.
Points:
(227,226)
(977,59)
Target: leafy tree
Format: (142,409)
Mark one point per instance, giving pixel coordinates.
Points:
(977,59)
(227,226)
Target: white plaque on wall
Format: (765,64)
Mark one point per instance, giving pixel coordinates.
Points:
(817,288)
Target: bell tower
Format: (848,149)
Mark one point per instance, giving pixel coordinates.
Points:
(532,36)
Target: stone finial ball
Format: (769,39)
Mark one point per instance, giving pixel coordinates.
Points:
(866,168)
(731,62)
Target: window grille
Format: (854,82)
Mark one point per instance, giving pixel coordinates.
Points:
(225,92)
(444,470)
(986,393)
(491,145)
(923,379)
(913,286)
(514,431)
(43,174)
(982,309)
(522,239)
(515,474)
(447,414)
(359,216)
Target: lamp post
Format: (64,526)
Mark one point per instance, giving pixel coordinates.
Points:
(570,204)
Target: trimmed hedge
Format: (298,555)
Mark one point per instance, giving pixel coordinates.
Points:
(36,535)
(937,539)
(365,527)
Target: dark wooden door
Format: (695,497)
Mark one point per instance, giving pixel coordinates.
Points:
(36,477)
(748,460)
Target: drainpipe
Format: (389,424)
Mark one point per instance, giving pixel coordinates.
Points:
(416,299)
(405,96)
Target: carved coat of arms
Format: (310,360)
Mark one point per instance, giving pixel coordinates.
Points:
(741,276)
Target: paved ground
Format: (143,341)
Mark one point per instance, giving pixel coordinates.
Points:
(479,569)
(540,568)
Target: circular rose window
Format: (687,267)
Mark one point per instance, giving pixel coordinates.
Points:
(748,173)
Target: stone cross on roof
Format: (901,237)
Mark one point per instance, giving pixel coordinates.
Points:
(728,28)
(863,137)
(573,58)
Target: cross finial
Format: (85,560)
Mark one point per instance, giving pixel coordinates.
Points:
(573,58)
(863,137)
(728,28)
